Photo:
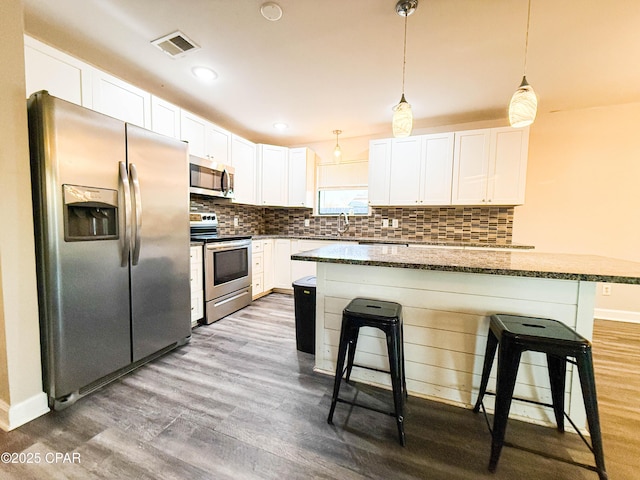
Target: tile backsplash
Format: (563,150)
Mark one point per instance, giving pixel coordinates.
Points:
(475,224)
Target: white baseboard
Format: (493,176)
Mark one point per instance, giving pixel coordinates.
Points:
(618,315)
(13,416)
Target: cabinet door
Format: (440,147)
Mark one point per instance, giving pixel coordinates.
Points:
(268,265)
(273,175)
(470,167)
(379,170)
(165,118)
(301,177)
(243,160)
(437,169)
(218,144)
(282,263)
(61,75)
(193,130)
(406,172)
(508,165)
(121,100)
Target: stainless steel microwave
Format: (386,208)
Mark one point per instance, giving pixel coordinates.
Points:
(210,178)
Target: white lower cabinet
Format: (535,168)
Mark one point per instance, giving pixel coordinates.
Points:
(197,285)
(262,267)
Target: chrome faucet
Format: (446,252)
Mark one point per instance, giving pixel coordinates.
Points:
(345,223)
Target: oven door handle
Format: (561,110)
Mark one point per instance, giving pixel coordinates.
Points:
(228,245)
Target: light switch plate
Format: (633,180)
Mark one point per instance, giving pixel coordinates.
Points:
(235,221)
(394,223)
(385,223)
(307,222)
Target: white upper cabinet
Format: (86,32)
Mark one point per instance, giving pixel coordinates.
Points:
(165,117)
(419,170)
(273,174)
(406,171)
(218,144)
(437,169)
(301,177)
(205,139)
(244,161)
(60,74)
(508,155)
(379,170)
(470,167)
(490,166)
(120,100)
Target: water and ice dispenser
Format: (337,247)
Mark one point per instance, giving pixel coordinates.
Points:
(90,213)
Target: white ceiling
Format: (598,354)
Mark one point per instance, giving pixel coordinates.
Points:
(337,64)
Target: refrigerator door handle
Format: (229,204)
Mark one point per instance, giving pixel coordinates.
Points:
(126,190)
(133,172)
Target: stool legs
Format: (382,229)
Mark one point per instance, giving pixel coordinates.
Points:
(342,351)
(489,355)
(396,370)
(508,363)
(557,367)
(588,385)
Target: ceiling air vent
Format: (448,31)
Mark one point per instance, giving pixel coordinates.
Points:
(175,44)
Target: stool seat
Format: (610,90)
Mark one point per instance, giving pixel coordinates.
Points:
(515,334)
(386,316)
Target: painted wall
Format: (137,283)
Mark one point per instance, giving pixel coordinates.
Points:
(21,397)
(582,189)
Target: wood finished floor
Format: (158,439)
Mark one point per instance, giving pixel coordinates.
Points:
(239,402)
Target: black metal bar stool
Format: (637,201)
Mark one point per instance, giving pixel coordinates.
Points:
(516,334)
(386,316)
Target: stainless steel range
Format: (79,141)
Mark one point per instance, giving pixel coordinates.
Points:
(227,267)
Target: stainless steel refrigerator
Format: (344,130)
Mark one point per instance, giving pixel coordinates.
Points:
(111,220)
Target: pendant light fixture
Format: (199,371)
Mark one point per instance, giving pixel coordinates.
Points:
(524,102)
(337,151)
(402,123)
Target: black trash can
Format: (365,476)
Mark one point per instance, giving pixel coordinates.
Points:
(304,296)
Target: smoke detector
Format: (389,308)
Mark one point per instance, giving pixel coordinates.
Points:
(175,44)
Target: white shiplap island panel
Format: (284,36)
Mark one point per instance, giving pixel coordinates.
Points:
(446,317)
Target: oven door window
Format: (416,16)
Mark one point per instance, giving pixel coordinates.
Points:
(230,265)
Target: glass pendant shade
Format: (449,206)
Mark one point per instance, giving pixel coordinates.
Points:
(402,122)
(523,106)
(337,152)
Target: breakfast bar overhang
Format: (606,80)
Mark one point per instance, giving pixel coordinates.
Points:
(447,295)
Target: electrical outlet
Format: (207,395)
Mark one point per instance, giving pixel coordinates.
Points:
(385,223)
(307,222)
(236,221)
(394,223)
(606,289)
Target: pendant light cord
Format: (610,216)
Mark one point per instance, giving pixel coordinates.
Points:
(526,42)
(404,51)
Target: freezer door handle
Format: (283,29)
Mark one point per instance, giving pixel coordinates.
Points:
(133,172)
(126,190)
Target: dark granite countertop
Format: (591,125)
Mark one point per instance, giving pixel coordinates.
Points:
(514,263)
(397,241)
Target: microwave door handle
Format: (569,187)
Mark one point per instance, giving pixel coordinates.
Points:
(226,189)
(126,191)
(133,172)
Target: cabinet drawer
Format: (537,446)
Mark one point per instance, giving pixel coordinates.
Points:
(257,285)
(258,265)
(256,246)
(196,254)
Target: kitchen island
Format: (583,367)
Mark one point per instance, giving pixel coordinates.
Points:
(447,296)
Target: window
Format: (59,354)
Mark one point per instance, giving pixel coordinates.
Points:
(354,201)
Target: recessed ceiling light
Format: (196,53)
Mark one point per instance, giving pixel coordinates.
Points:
(280,126)
(204,73)
(271,11)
